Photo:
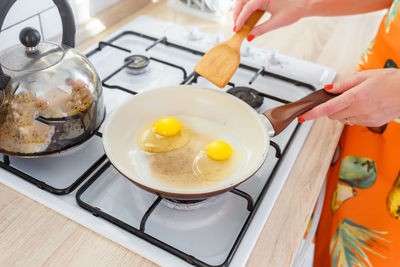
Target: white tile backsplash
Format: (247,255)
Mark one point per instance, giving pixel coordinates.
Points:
(23,9)
(10,36)
(51,22)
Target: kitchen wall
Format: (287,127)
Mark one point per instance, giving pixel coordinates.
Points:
(43,15)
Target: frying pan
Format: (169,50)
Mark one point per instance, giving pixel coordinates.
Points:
(251,129)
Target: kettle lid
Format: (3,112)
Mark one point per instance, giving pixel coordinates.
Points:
(32,55)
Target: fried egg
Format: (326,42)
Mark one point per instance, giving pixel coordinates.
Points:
(217,165)
(205,156)
(163,135)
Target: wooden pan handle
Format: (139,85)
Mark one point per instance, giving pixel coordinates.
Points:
(280,117)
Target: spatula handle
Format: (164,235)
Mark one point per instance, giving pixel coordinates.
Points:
(253,19)
(280,117)
(239,36)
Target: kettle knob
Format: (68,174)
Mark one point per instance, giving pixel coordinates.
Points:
(30,38)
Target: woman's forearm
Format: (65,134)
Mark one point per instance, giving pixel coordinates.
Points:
(343,7)
(285,12)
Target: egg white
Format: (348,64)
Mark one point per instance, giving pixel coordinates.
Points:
(198,126)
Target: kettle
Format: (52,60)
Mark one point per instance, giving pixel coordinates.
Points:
(50,95)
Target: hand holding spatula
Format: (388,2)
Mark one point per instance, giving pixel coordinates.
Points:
(220,63)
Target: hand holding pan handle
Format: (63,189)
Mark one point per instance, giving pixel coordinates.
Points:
(280,117)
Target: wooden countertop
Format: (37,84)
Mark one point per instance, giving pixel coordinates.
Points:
(31,234)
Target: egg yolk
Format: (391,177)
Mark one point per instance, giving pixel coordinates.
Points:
(168,126)
(153,141)
(219,150)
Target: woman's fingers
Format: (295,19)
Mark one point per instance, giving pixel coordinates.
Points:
(273,23)
(370,98)
(360,115)
(362,120)
(238,8)
(247,10)
(343,114)
(351,107)
(340,107)
(330,107)
(347,84)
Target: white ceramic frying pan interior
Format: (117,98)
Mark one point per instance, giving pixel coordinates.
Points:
(247,126)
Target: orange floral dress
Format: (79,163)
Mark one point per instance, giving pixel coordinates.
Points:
(360,221)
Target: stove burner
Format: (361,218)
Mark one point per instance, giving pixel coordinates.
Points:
(248,95)
(185,202)
(138,65)
(191,204)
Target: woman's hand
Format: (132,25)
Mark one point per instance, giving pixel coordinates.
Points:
(283,12)
(370,98)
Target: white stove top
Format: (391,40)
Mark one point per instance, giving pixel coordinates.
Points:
(208,232)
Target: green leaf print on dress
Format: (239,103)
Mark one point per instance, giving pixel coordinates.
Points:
(368,51)
(351,241)
(392,14)
(357,171)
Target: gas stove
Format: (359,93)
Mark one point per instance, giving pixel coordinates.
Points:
(82,184)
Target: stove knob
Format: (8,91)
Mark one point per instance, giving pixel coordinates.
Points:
(246,50)
(195,34)
(274,58)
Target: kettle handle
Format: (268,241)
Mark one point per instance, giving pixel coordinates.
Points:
(68,22)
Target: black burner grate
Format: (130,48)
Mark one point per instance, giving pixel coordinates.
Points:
(252,207)
(6,164)
(252,204)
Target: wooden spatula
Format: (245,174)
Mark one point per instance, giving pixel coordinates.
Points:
(220,63)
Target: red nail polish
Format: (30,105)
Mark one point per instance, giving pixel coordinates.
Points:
(250,37)
(301,120)
(234,28)
(328,86)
